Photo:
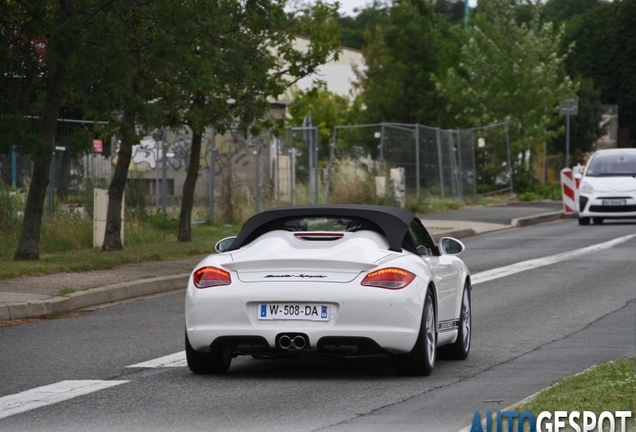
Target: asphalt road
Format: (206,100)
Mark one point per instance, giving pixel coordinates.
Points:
(530,329)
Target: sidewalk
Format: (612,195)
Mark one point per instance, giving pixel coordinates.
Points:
(31,297)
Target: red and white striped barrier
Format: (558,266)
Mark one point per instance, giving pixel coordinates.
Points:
(568,188)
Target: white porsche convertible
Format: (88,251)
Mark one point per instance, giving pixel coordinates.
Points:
(338,280)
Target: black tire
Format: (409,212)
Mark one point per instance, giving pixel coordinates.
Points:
(215,362)
(421,360)
(460,349)
(584,221)
(597,220)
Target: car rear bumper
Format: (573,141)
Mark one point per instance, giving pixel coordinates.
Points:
(371,317)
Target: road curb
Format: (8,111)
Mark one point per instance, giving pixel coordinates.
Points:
(537,219)
(93,297)
(459,233)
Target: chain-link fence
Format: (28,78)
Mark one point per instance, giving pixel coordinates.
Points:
(417,160)
(379,163)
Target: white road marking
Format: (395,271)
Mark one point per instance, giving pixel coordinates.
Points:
(50,394)
(172,360)
(519,267)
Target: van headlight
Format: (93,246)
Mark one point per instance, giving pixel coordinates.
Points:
(586,188)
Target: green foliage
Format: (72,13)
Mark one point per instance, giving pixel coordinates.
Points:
(606,387)
(352,29)
(535,192)
(10,201)
(64,232)
(143,65)
(452,10)
(558,11)
(327,109)
(400,59)
(432,205)
(605,51)
(143,243)
(510,72)
(158,222)
(584,127)
(136,197)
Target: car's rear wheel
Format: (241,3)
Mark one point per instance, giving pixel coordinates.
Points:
(461,347)
(421,360)
(597,221)
(214,362)
(584,221)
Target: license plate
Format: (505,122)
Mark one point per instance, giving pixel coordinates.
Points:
(293,311)
(617,202)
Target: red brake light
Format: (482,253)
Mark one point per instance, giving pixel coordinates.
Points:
(207,277)
(389,278)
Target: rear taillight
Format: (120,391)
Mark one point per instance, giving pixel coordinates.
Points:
(207,277)
(389,278)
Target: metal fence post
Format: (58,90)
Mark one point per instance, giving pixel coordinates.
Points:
(212,174)
(381,148)
(417,162)
(460,166)
(277,171)
(316,172)
(257,191)
(51,206)
(157,183)
(292,166)
(14,168)
(332,148)
(164,174)
(509,162)
(439,160)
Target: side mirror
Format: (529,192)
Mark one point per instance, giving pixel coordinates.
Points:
(451,246)
(223,245)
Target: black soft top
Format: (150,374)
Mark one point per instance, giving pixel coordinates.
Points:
(392,222)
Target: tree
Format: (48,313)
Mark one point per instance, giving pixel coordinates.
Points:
(513,73)
(605,51)
(452,10)
(327,110)
(352,29)
(242,55)
(40,42)
(559,11)
(131,47)
(400,59)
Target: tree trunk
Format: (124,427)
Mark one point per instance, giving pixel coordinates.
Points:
(187,200)
(112,236)
(29,245)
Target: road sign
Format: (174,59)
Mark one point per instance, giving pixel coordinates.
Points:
(569,106)
(98,146)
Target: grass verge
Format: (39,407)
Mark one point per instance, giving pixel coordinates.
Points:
(609,387)
(143,242)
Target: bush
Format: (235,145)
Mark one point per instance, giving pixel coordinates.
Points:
(535,192)
(10,202)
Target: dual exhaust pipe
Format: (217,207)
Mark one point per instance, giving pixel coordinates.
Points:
(286,342)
